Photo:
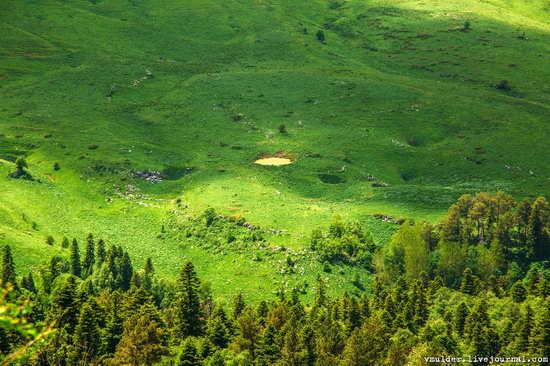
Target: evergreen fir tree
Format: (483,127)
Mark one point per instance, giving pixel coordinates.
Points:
(9,277)
(89,256)
(238,305)
(268,350)
(126,272)
(87,337)
(64,307)
(27,283)
(522,218)
(189,355)
(524,329)
(101,252)
(460,317)
(76,267)
(263,309)
(541,336)
(188,314)
(290,351)
(468,284)
(65,243)
(217,332)
(518,292)
(321,294)
(149,268)
(538,240)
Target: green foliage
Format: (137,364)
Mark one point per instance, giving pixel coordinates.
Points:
(344,243)
(320,35)
(94,321)
(187,310)
(8,274)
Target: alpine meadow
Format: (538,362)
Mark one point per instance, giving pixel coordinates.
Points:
(274,182)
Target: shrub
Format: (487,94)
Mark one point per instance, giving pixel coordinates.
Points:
(503,85)
(50,240)
(320,35)
(282,129)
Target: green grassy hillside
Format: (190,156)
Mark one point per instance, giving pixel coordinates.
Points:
(398,111)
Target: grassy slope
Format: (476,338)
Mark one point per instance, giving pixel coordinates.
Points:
(397,92)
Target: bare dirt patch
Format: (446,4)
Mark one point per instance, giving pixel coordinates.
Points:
(278,159)
(273,161)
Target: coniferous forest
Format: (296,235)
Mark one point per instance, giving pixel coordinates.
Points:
(475,284)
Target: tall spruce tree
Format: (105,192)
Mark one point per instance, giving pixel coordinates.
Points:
(524,328)
(89,256)
(538,240)
(87,336)
(126,271)
(460,317)
(9,277)
(101,252)
(468,284)
(189,355)
(76,267)
(64,306)
(188,314)
(238,305)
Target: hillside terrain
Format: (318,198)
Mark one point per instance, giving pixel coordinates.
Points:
(137,118)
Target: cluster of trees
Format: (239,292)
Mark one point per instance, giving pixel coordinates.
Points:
(99,310)
(344,243)
(218,233)
(490,235)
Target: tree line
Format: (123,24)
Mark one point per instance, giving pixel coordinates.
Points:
(477,283)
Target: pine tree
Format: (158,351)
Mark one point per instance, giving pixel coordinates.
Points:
(451,226)
(468,284)
(263,309)
(149,269)
(142,342)
(126,272)
(114,325)
(307,340)
(524,329)
(522,218)
(87,338)
(365,307)
(64,306)
(538,241)
(215,360)
(28,283)
(247,332)
(89,256)
(9,277)
(268,350)
(476,321)
(321,294)
(494,286)
(290,351)
(541,336)
(65,243)
(238,305)
(188,355)
(460,317)
(518,292)
(188,314)
(217,332)
(76,268)
(101,252)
